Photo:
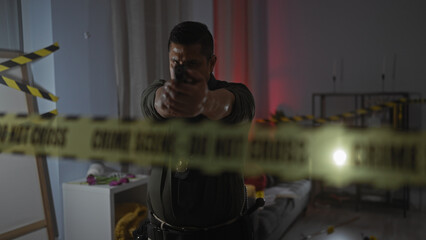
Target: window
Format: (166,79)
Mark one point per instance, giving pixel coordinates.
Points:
(10,25)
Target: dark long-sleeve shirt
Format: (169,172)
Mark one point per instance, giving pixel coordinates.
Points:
(193,198)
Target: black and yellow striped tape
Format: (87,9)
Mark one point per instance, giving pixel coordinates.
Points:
(24,59)
(287,119)
(419,100)
(49,114)
(290,151)
(339,117)
(21,60)
(27,89)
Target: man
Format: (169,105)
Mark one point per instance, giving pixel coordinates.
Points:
(185,203)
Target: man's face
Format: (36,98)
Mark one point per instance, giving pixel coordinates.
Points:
(191,57)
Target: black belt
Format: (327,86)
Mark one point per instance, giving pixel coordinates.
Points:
(165,232)
(166,225)
(238,229)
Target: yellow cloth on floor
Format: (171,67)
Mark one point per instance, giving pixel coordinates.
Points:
(128,217)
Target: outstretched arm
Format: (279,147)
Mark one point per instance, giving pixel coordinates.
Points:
(231,102)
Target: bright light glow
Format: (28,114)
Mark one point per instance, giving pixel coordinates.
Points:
(339,157)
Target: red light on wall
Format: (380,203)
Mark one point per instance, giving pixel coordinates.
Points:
(231,40)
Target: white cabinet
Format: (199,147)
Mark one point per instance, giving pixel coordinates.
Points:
(89,211)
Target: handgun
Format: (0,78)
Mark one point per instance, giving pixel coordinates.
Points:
(180,73)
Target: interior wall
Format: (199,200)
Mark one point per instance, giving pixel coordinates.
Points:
(84,74)
(84,69)
(360,39)
(103,95)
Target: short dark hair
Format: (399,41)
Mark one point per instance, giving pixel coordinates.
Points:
(188,33)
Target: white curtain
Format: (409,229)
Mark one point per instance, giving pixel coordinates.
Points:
(140,35)
(241,47)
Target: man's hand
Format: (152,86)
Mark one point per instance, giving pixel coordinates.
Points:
(182,100)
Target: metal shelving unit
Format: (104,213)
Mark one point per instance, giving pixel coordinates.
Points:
(398,117)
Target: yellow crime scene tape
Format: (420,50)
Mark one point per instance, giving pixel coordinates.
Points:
(338,155)
(24,59)
(346,115)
